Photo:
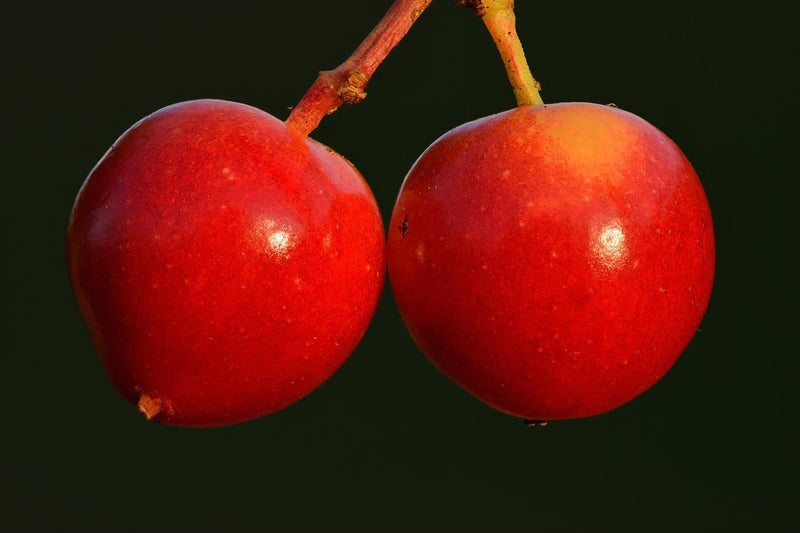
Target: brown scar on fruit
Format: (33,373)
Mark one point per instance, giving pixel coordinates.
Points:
(150,407)
(403,227)
(535,423)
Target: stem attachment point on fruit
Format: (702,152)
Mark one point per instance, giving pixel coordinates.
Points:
(535,423)
(150,407)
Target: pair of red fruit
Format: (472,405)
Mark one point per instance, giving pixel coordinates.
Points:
(553,260)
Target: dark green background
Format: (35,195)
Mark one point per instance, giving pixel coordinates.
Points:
(389,444)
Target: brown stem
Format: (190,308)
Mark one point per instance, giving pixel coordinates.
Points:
(346,83)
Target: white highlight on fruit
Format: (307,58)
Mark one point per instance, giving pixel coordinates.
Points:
(276,238)
(279,241)
(610,248)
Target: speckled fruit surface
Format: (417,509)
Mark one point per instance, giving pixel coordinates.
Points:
(225,265)
(552,260)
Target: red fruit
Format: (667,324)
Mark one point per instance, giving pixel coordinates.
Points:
(225,265)
(552,260)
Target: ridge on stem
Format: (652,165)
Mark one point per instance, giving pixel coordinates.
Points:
(346,83)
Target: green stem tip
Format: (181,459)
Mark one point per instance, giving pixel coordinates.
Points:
(499,18)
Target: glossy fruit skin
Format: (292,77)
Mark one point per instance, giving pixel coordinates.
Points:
(225,265)
(552,260)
